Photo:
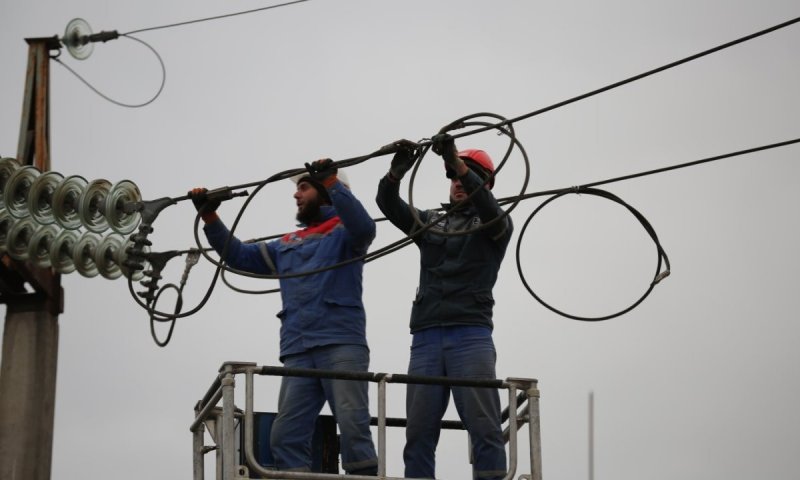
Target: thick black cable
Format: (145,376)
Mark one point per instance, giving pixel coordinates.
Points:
(383,151)
(153,318)
(220,265)
(513,142)
(387,149)
(636,77)
(287,174)
(693,163)
(115,102)
(273,237)
(217,17)
(657,277)
(408,240)
(503,201)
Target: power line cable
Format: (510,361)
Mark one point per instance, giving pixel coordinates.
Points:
(217,17)
(105,36)
(106,97)
(499,126)
(391,148)
(220,265)
(636,77)
(693,163)
(657,277)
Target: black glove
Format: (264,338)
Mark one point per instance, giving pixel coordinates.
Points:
(323,171)
(201,201)
(404,159)
(444,145)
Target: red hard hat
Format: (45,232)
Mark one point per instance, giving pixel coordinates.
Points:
(480,157)
(474,157)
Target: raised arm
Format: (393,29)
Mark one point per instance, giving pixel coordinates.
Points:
(354,216)
(253,257)
(480,193)
(486,205)
(388,198)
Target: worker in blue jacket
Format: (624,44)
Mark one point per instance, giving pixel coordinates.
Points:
(323,321)
(451,316)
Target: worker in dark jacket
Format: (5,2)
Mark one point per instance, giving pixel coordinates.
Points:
(451,317)
(323,321)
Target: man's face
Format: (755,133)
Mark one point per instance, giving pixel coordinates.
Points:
(457,192)
(308,202)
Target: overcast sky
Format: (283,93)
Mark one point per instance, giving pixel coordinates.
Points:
(700,381)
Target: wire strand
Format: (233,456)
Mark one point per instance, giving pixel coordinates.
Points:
(115,102)
(217,17)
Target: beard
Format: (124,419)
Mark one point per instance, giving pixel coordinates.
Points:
(309,212)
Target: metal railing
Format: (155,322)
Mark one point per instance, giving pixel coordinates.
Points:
(521,392)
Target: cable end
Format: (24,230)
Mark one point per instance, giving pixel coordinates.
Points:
(661,276)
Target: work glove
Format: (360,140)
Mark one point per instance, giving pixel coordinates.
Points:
(323,171)
(201,202)
(444,145)
(207,207)
(403,159)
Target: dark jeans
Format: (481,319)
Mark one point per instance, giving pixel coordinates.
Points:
(302,398)
(457,351)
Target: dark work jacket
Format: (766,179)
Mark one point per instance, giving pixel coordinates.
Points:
(457,273)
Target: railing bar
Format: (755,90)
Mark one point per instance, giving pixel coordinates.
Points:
(401,422)
(224,389)
(522,397)
(376,377)
(512,439)
(207,408)
(382,428)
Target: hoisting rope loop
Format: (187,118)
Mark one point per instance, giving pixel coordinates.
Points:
(662,255)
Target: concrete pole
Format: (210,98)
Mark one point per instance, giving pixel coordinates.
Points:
(27,392)
(30,337)
(591,435)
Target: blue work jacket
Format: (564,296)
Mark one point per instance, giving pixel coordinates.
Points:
(320,309)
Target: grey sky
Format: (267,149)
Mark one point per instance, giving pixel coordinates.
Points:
(698,382)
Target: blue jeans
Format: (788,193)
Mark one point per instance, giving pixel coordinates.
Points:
(302,398)
(463,352)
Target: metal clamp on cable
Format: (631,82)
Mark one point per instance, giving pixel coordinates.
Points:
(191,260)
(224,193)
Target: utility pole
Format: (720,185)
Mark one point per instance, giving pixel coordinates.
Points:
(591,435)
(30,338)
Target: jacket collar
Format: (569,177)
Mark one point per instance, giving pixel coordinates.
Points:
(467,209)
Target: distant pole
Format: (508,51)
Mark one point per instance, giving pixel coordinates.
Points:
(591,435)
(30,337)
